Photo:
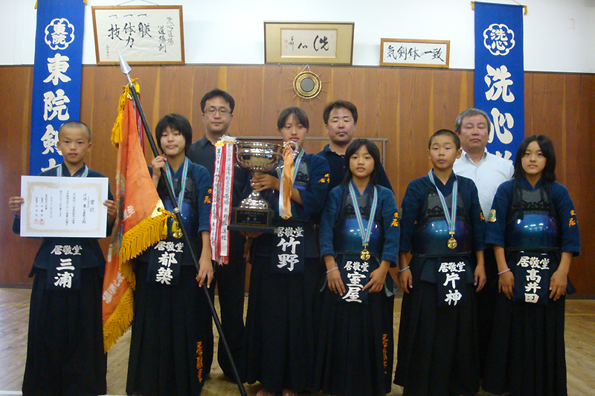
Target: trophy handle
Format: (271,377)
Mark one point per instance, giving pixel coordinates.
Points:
(236,154)
(295,149)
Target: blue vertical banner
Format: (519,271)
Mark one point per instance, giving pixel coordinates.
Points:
(56,77)
(500,74)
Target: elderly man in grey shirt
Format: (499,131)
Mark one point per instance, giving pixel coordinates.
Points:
(488,172)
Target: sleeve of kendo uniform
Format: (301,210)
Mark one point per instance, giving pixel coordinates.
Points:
(390,220)
(476,215)
(327,222)
(412,203)
(496,222)
(571,238)
(16,225)
(315,194)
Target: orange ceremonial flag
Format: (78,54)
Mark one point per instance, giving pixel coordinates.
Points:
(140,222)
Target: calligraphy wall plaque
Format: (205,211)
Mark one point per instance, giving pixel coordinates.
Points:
(414,53)
(143,34)
(326,43)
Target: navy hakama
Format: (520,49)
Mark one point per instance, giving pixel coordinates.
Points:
(282,307)
(356,345)
(171,314)
(527,353)
(438,341)
(65,340)
(166,348)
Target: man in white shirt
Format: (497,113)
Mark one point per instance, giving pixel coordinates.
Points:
(488,172)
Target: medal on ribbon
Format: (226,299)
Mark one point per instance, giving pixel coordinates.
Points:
(364,232)
(451,216)
(176,228)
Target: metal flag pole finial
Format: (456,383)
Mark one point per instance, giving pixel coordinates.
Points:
(124,67)
(126,70)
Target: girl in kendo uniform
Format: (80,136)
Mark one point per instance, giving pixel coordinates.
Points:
(359,242)
(169,325)
(534,231)
(281,323)
(443,227)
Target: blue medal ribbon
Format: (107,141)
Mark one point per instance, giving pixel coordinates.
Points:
(84,174)
(176,229)
(451,217)
(170,180)
(365,232)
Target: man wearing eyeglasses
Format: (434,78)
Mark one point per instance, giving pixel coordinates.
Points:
(217,112)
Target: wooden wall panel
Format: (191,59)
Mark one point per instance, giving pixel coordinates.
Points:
(15,102)
(403,105)
(561,106)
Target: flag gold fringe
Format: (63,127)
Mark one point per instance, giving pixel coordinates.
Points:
(142,236)
(119,321)
(117,128)
(145,234)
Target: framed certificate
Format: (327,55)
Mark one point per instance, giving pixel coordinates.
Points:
(69,207)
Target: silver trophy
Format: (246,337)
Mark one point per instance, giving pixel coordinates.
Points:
(258,158)
(254,213)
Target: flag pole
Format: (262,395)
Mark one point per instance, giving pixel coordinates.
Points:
(125,68)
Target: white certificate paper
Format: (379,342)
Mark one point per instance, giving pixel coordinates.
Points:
(69,207)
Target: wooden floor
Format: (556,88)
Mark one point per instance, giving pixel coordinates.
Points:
(14,311)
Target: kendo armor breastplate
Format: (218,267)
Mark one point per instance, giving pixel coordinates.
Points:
(188,211)
(347,234)
(431,235)
(531,223)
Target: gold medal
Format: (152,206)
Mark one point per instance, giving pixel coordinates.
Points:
(365,255)
(176,230)
(452,242)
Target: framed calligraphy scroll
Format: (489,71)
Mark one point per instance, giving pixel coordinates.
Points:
(327,43)
(143,34)
(414,53)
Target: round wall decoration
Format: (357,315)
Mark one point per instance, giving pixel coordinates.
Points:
(307,85)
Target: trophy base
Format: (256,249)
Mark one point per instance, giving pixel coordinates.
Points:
(252,220)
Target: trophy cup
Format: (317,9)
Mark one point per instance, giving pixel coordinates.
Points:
(254,213)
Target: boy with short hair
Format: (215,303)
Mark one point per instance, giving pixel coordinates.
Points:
(442,225)
(65,341)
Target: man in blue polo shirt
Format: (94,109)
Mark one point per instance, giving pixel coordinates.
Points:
(340,118)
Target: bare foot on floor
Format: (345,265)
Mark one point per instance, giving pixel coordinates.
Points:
(265,392)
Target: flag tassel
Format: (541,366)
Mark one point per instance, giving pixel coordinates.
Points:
(119,321)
